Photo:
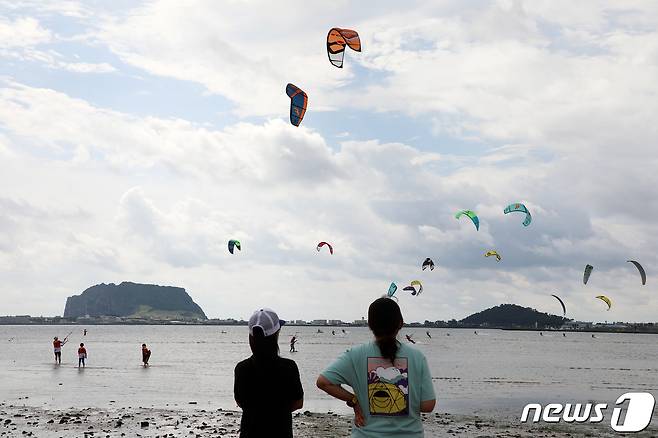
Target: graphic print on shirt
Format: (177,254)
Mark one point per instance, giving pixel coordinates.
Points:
(388,387)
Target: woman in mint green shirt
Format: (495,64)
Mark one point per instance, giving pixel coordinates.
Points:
(391,381)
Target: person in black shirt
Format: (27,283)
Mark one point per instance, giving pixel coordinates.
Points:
(267,387)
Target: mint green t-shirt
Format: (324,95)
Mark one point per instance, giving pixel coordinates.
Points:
(389,394)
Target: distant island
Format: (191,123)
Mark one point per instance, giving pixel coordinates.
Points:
(513,316)
(134,300)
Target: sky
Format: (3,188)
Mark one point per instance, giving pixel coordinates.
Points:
(136,139)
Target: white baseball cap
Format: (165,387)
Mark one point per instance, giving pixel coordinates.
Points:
(267,320)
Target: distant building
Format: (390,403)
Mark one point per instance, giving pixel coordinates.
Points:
(576,325)
(319,322)
(362,322)
(335,322)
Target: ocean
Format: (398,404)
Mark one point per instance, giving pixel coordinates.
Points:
(493,373)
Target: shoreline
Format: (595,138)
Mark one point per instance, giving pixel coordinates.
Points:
(412,326)
(17,420)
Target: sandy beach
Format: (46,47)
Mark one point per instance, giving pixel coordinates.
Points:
(26,421)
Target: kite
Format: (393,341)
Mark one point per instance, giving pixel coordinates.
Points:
(321,244)
(391,290)
(470,214)
(564,308)
(413,290)
(428,263)
(520,208)
(337,39)
(588,272)
(493,253)
(641,269)
(606,300)
(298,102)
(234,244)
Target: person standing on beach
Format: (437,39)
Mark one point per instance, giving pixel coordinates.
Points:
(391,381)
(146,355)
(57,347)
(82,355)
(267,387)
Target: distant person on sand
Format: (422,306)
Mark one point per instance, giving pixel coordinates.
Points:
(293,340)
(82,355)
(267,387)
(57,347)
(146,355)
(382,408)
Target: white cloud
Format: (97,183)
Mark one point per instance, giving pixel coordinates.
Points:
(22,32)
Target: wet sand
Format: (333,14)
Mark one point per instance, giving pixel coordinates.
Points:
(26,421)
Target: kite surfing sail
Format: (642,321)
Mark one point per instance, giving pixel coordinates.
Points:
(471,215)
(493,253)
(641,269)
(412,288)
(337,39)
(298,102)
(520,208)
(234,244)
(428,263)
(606,300)
(588,272)
(391,290)
(564,308)
(321,244)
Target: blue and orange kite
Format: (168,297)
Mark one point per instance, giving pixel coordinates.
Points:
(298,102)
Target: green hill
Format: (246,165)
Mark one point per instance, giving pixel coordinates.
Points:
(512,316)
(134,300)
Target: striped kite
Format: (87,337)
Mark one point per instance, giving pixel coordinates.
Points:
(337,39)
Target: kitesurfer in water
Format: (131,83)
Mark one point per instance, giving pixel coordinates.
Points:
(146,355)
(293,340)
(428,334)
(410,339)
(82,355)
(57,347)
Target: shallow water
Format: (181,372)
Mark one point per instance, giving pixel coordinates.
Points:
(494,372)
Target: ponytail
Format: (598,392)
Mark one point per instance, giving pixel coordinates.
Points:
(385,321)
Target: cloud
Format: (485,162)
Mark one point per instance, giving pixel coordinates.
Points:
(532,102)
(22,32)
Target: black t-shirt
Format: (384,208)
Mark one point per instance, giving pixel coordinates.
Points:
(265,392)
